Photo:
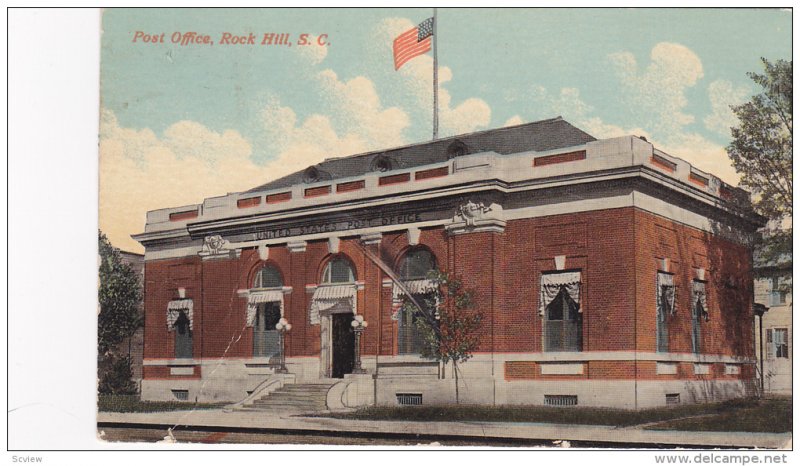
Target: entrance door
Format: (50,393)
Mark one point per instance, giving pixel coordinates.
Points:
(266,341)
(344,344)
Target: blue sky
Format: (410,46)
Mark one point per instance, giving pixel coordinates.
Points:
(180,123)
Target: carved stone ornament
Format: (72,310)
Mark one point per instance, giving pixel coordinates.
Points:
(474,217)
(215,246)
(472,211)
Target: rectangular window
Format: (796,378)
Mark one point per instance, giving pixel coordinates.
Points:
(561,311)
(183,337)
(699,314)
(410,338)
(665,306)
(780,342)
(770,345)
(777,296)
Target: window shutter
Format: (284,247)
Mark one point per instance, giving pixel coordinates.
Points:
(770,345)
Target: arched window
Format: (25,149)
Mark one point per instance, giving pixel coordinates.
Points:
(338,270)
(416,264)
(413,270)
(268,277)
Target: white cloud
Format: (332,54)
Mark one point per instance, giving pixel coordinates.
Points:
(454,118)
(656,94)
(514,120)
(300,145)
(722,95)
(313,52)
(140,171)
(703,154)
(359,110)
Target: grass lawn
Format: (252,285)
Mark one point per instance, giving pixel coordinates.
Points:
(132,404)
(768,415)
(743,414)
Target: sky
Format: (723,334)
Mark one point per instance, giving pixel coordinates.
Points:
(180,123)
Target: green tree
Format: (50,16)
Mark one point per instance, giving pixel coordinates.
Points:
(761,152)
(120,296)
(116,378)
(448,322)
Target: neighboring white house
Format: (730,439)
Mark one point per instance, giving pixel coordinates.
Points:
(777,334)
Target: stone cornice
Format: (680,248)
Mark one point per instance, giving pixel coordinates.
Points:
(442,197)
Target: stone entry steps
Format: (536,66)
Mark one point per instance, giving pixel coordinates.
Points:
(306,397)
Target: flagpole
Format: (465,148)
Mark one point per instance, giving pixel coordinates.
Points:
(435,79)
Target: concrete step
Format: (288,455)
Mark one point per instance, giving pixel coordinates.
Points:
(290,407)
(294,398)
(316,388)
(290,397)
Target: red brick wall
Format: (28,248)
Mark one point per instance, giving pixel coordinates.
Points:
(729,286)
(559,158)
(350,186)
(600,245)
(503,270)
(162,279)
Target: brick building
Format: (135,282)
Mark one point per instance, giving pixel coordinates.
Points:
(609,274)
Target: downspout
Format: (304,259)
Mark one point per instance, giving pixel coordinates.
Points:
(635,310)
(761,348)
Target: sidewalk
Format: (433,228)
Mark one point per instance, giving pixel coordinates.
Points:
(535,431)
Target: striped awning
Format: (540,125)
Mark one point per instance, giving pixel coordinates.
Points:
(414,287)
(174,309)
(329,296)
(254,298)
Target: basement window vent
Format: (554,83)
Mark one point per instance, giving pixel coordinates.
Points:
(181,395)
(561,400)
(409,399)
(673,399)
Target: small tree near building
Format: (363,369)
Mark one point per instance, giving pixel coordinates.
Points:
(448,322)
(119,295)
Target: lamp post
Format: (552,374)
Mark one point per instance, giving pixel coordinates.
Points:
(358,324)
(759,310)
(282,327)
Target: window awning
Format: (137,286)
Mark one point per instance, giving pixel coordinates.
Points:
(699,294)
(174,309)
(414,287)
(665,294)
(327,297)
(552,283)
(254,298)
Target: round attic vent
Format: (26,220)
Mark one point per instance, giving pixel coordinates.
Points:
(381,163)
(311,175)
(457,149)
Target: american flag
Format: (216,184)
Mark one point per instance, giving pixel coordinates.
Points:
(412,43)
